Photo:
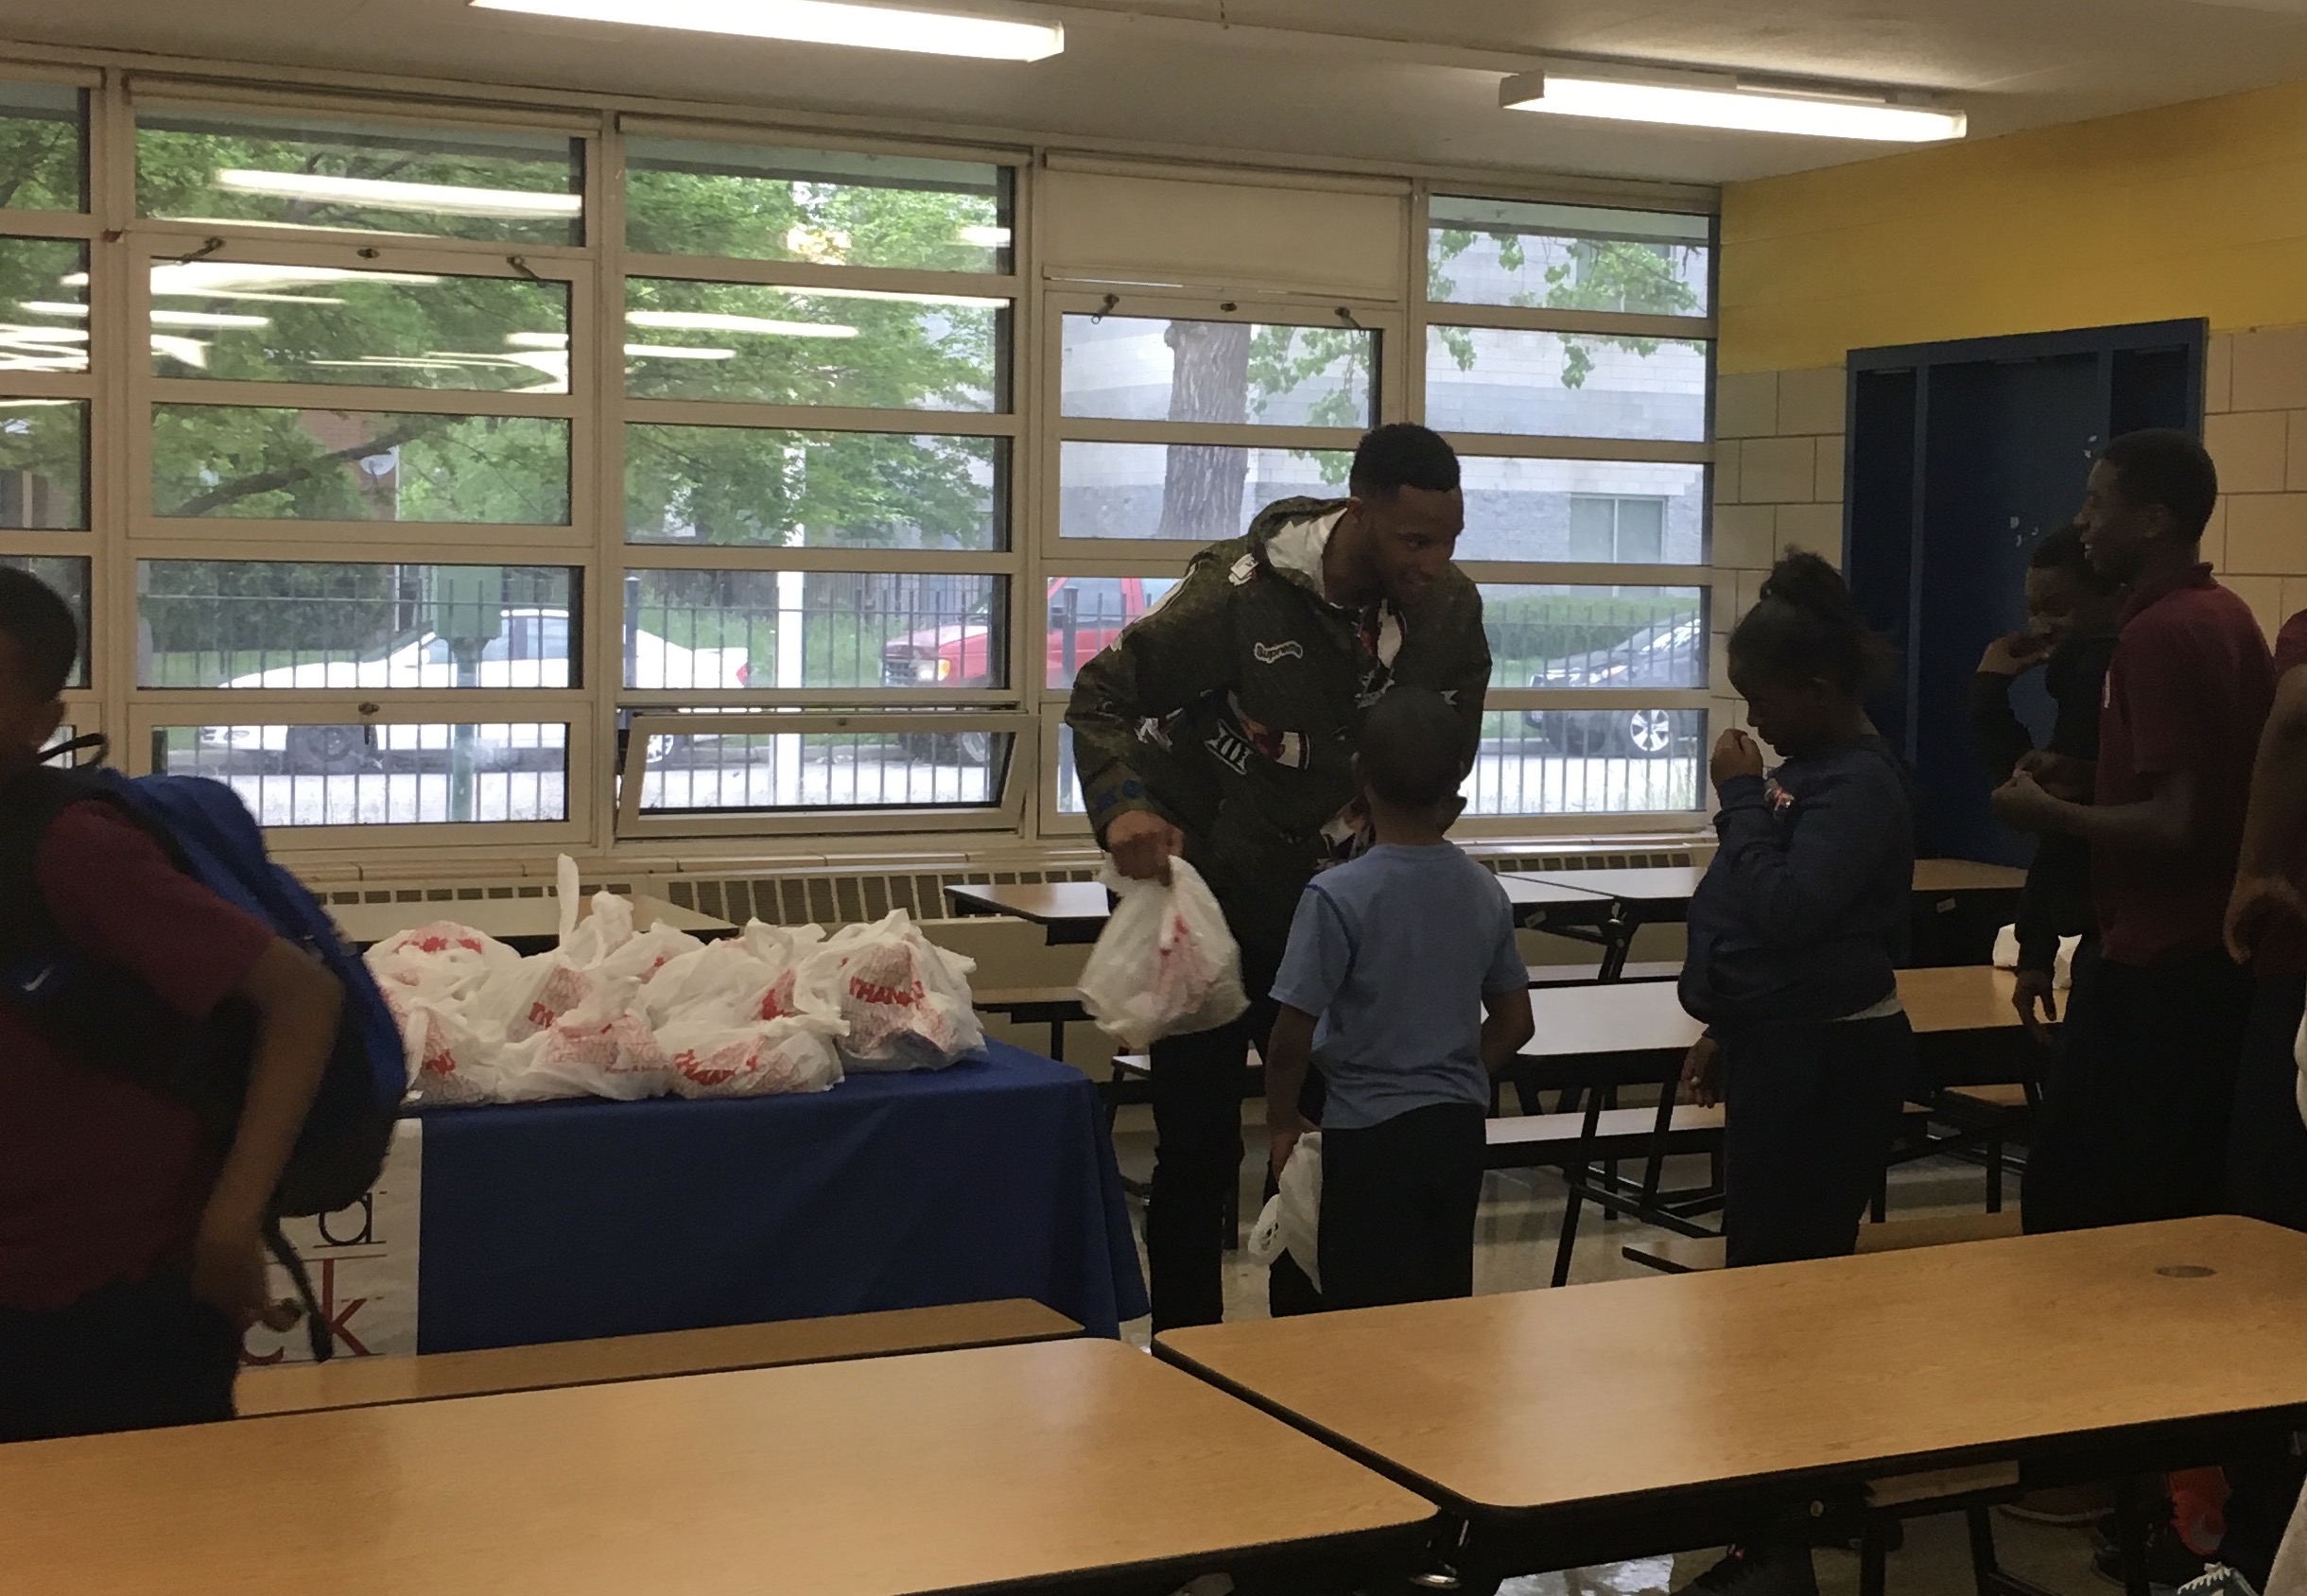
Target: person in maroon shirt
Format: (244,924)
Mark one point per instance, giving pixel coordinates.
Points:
(2134,1125)
(132,1251)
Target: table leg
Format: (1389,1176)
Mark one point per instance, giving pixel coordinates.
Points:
(1618,942)
(1057,1040)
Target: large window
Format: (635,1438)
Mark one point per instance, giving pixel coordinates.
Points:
(1568,355)
(541,475)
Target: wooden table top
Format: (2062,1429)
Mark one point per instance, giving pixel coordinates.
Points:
(357,1382)
(1646,1016)
(507,919)
(1548,891)
(991,1466)
(1942,876)
(1628,1389)
(1650,884)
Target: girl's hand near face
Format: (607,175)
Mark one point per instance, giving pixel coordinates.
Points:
(1735,755)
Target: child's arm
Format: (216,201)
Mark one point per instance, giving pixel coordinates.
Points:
(296,1003)
(1287,1052)
(1506,1026)
(2264,897)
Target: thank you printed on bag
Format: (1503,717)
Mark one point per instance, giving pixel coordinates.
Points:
(363,1263)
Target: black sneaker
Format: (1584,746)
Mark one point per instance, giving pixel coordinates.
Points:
(2219,1580)
(1757,1571)
(2170,1565)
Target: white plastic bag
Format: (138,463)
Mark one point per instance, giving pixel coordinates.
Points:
(1166,964)
(1291,1219)
(794,1054)
(904,1001)
(2062,972)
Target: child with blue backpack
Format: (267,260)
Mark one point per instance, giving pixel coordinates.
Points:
(132,1224)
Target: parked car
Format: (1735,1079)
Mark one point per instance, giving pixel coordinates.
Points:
(530,649)
(1084,614)
(1670,656)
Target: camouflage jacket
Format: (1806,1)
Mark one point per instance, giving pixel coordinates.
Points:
(1231,708)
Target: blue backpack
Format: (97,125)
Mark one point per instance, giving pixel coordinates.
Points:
(106,1016)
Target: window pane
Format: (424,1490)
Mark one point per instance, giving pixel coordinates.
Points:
(44,322)
(857,347)
(68,577)
(43,138)
(1633,760)
(379,775)
(1564,384)
(385,329)
(751,486)
(1192,492)
(725,631)
(1577,257)
(1593,528)
(309,172)
(1126,368)
(1641,531)
(251,623)
(1564,637)
(841,209)
(341,465)
(44,463)
(858,769)
(1086,612)
(1531,509)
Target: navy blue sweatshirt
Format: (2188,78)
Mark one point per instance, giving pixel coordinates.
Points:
(1803,914)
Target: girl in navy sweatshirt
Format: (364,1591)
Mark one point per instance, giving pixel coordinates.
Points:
(1800,923)
(1794,936)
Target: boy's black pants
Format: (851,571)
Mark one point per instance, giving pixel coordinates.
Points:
(1198,1083)
(1808,1114)
(133,1355)
(2137,1110)
(1398,1200)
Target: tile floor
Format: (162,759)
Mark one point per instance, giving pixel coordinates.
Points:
(1521,1216)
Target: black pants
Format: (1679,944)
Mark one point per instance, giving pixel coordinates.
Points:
(2266,1145)
(1398,1200)
(1197,1090)
(1808,1114)
(2135,1114)
(128,1356)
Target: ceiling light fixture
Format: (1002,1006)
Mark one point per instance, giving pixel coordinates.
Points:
(819,21)
(1631,93)
(383,193)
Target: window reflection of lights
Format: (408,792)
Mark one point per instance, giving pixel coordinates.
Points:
(36,404)
(966,302)
(984,237)
(52,308)
(435,198)
(184,351)
(206,318)
(215,279)
(713,321)
(536,341)
(672,351)
(26,332)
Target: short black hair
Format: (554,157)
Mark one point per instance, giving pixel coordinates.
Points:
(1413,748)
(40,623)
(1402,455)
(1805,625)
(2062,550)
(2162,465)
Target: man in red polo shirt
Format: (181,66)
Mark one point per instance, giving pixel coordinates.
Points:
(2135,1114)
(131,1253)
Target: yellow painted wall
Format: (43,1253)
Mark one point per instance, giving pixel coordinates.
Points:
(2191,209)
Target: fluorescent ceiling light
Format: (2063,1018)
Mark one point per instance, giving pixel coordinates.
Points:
(206,318)
(818,22)
(678,352)
(434,198)
(1717,99)
(709,321)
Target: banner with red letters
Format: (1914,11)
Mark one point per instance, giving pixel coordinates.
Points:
(363,1263)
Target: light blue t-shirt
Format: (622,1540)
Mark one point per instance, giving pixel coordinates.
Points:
(1395,952)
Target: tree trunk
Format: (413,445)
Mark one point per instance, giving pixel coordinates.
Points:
(1202,486)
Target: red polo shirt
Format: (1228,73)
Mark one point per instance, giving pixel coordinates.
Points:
(2189,689)
(102,1179)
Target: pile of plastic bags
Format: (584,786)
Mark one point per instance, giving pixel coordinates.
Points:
(617,1013)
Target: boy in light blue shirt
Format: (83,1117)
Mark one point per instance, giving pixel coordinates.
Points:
(1402,979)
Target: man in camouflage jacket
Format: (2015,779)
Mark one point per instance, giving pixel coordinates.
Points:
(1220,726)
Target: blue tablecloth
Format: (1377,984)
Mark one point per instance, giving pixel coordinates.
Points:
(555,1221)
